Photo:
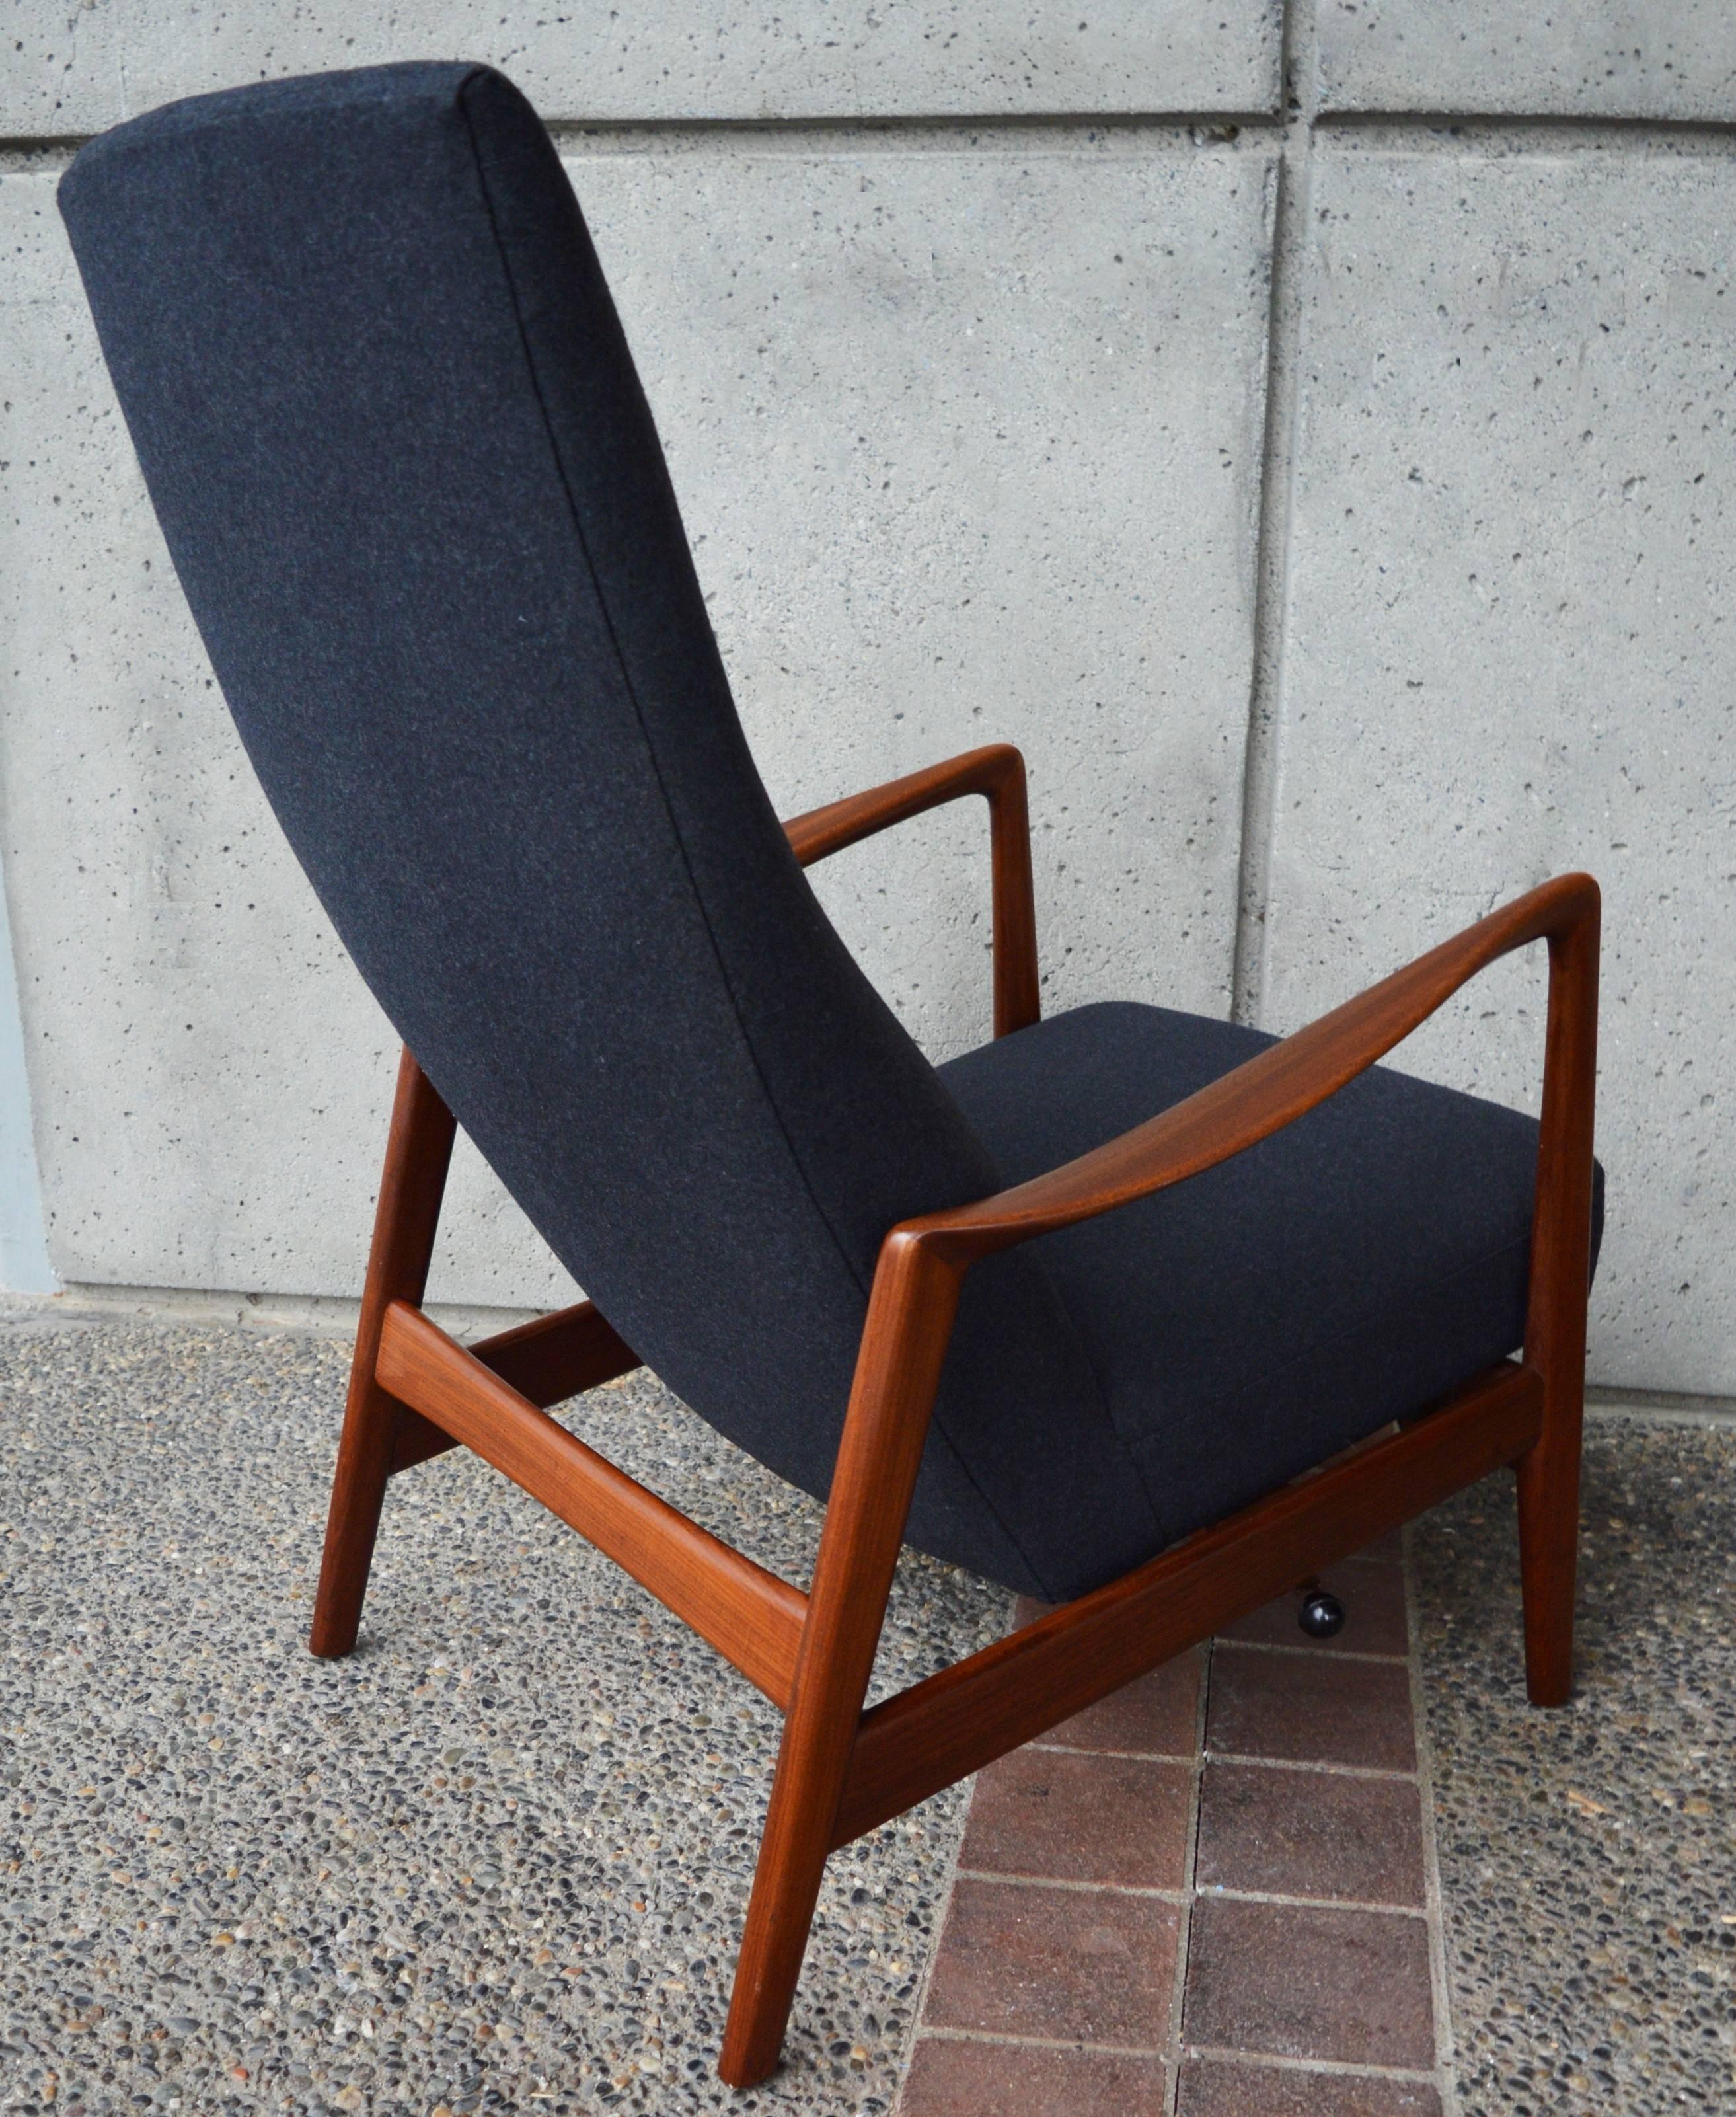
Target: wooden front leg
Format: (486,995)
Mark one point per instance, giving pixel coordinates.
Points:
(412,1185)
(1555,1319)
(904,1342)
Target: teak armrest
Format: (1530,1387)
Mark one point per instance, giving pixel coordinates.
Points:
(1288,1080)
(997,771)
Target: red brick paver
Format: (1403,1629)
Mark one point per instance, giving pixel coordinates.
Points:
(1156,1715)
(1070,1816)
(970,2077)
(1311,1707)
(1310,1981)
(1214,2088)
(1333,1836)
(1071,1965)
(1206,1895)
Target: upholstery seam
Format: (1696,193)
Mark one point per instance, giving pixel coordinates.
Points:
(1164,1539)
(621,661)
(578,530)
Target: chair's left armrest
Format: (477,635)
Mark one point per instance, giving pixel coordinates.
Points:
(997,772)
(1290,1077)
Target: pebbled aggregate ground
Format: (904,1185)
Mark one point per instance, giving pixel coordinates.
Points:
(496,1860)
(1588,1856)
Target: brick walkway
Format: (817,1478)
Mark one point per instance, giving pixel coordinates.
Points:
(1211,1894)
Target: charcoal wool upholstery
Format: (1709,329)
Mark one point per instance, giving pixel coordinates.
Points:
(402,463)
(1353,1268)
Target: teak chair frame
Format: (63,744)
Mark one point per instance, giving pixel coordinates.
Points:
(414,1392)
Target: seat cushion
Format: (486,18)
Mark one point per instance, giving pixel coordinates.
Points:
(1245,1325)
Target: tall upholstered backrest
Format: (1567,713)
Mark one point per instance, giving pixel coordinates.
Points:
(395,440)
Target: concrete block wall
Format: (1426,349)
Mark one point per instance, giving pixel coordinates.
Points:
(1305,431)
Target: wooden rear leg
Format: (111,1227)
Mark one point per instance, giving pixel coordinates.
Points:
(412,1184)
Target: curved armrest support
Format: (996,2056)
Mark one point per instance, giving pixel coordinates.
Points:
(997,771)
(1289,1078)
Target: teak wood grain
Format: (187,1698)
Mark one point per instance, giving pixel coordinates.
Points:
(1207,1129)
(414,1392)
(964,1717)
(996,771)
(903,1343)
(411,1186)
(547,1360)
(1281,1084)
(1555,1310)
(752,1618)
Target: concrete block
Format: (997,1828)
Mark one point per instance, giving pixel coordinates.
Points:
(1511,652)
(969,447)
(971,454)
(61,77)
(82,66)
(1598,58)
(24,1249)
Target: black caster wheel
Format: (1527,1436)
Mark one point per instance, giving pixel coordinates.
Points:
(1321,1615)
